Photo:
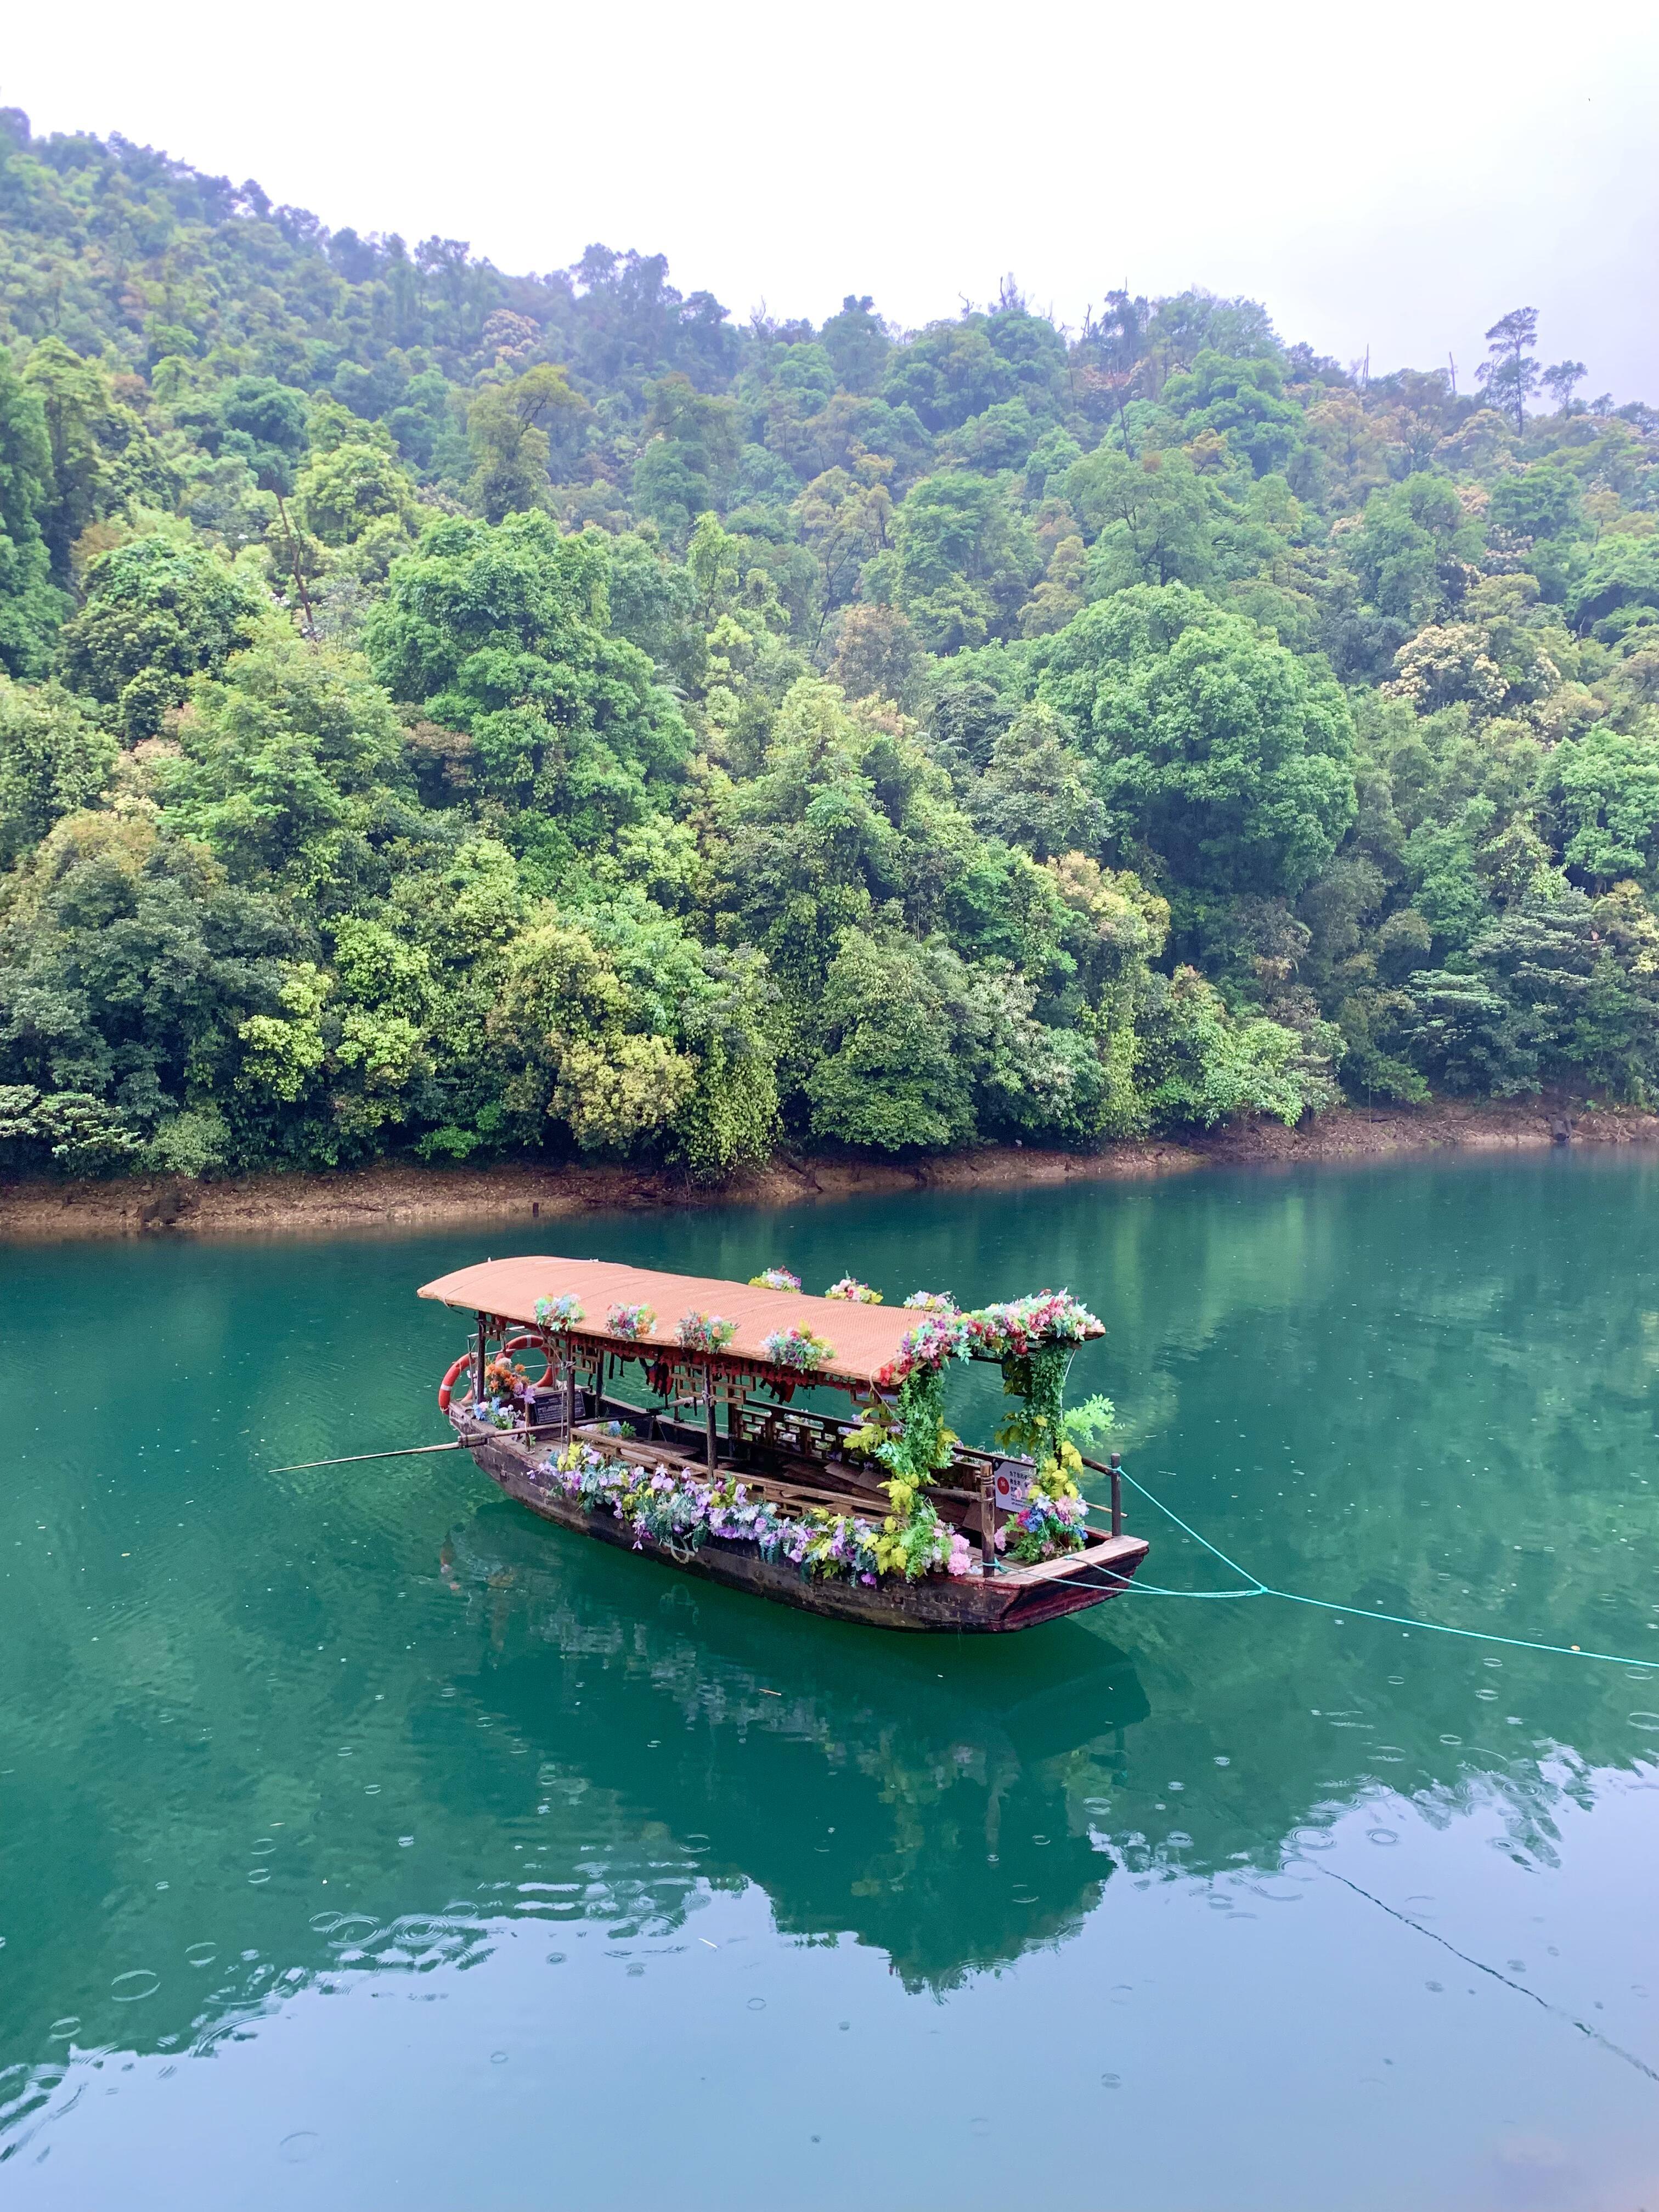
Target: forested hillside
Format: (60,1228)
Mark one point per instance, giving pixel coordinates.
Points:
(454,712)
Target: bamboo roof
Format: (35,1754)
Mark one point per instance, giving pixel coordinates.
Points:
(864,1337)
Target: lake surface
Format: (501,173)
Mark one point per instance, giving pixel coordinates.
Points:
(364,1842)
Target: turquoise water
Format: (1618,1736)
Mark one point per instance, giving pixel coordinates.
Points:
(364,1842)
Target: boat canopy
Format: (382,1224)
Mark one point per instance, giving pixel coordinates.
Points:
(864,1338)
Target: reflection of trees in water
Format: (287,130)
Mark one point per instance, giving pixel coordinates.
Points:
(1429,1393)
(952,1804)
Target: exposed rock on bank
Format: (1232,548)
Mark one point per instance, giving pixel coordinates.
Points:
(396,1193)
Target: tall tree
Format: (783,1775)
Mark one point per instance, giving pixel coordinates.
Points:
(1509,373)
(29,608)
(510,428)
(1560,380)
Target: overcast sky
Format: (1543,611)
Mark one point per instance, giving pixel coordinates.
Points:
(1392,179)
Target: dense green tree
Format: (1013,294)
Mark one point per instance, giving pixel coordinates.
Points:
(159,610)
(1545,501)
(1196,1062)
(1550,998)
(1619,591)
(259,420)
(510,428)
(423,423)
(887,1080)
(857,344)
(1605,785)
(950,372)
(1215,749)
(1149,519)
(618,1027)
(965,559)
(349,486)
(686,466)
(54,760)
(504,633)
(103,457)
(287,759)
(1035,791)
(130,966)
(1241,400)
(1406,553)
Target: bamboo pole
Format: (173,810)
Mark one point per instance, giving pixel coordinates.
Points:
(404,1451)
(413,1451)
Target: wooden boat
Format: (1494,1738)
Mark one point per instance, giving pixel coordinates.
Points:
(722,1367)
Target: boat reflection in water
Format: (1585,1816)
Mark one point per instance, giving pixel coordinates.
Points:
(940,1803)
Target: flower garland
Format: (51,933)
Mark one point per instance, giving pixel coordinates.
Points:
(1017,1330)
(564,1312)
(1022,1325)
(1037,1380)
(1032,1338)
(631,1322)
(938,1337)
(911,1441)
(673,1507)
(775,1279)
(858,1293)
(797,1348)
(703,1332)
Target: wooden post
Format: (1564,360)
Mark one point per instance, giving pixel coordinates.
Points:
(1118,1496)
(478,1375)
(708,1402)
(987,1523)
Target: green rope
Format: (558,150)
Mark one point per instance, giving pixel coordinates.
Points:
(1256,1587)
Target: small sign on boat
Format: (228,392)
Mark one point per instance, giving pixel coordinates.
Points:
(1012,1479)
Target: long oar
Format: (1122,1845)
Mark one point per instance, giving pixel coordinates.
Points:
(409,1451)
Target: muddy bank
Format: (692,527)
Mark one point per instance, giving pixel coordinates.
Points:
(396,1193)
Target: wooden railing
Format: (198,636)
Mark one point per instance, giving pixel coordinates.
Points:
(1113,1469)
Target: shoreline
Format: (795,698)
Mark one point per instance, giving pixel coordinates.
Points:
(388,1194)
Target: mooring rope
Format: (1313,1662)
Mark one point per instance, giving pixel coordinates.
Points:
(1254,1587)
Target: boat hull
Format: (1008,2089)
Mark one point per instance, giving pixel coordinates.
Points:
(973,1604)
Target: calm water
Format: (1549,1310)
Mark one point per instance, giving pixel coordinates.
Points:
(364,1843)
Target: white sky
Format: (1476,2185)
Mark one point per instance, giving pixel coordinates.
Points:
(1394,178)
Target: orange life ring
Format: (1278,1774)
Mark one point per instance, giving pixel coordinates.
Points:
(445,1388)
(447,1385)
(532,1344)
